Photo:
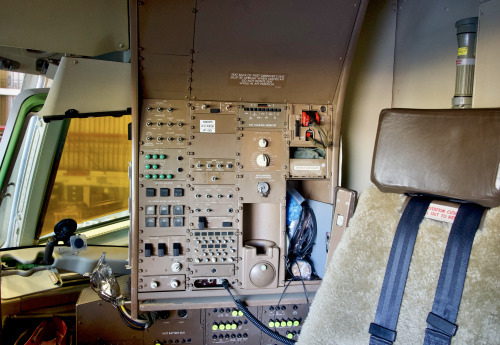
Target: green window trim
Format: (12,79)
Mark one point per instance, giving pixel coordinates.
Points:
(31,104)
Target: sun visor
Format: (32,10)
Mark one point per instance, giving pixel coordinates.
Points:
(450,153)
(86,86)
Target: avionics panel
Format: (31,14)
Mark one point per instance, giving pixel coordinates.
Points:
(230,110)
(212,192)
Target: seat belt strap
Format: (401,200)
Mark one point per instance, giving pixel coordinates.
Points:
(383,329)
(441,321)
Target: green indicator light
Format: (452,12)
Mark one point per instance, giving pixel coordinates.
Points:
(163,156)
(222,327)
(162,177)
(240,313)
(235,313)
(289,335)
(289,323)
(147,176)
(155,176)
(296,323)
(215,327)
(148,166)
(155,156)
(271,324)
(283,324)
(234,326)
(148,156)
(155,166)
(170,176)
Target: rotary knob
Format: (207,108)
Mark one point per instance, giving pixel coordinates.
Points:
(262,142)
(176,267)
(263,160)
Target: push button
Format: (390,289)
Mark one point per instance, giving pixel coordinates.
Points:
(178,210)
(178,221)
(150,222)
(164,222)
(164,210)
(150,209)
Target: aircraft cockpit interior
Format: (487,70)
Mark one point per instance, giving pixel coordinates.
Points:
(249,172)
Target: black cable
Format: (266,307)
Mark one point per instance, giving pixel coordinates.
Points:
(254,320)
(305,291)
(303,284)
(302,240)
(278,305)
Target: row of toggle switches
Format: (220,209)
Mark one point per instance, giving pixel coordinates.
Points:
(160,138)
(169,124)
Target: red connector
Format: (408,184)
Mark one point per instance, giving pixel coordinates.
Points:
(308,117)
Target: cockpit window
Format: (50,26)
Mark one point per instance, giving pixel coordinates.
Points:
(91,185)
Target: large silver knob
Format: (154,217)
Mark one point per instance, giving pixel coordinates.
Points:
(263,160)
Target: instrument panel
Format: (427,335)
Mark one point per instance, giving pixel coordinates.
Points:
(212,191)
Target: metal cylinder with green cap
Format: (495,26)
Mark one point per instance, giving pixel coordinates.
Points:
(466,61)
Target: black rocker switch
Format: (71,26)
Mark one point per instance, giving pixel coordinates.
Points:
(177,249)
(148,249)
(161,249)
(202,221)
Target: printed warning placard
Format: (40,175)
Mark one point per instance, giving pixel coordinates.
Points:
(276,80)
(207,126)
(441,212)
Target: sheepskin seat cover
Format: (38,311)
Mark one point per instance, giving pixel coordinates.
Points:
(347,299)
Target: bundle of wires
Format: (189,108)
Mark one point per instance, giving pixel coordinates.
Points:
(301,241)
(144,321)
(103,281)
(323,142)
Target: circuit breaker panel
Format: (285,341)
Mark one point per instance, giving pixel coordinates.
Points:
(212,191)
(223,324)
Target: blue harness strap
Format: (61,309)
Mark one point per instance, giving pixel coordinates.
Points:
(441,321)
(383,329)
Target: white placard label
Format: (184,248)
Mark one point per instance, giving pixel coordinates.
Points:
(207,126)
(276,80)
(307,167)
(441,213)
